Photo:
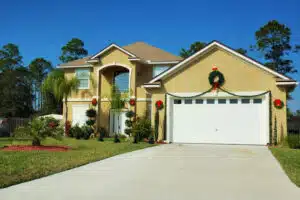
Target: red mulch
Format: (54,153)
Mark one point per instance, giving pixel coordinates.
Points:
(35,148)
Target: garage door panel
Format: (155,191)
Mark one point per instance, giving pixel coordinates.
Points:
(218,123)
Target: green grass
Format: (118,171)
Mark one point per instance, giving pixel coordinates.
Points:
(290,162)
(17,167)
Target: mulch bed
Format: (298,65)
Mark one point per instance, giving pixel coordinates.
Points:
(35,148)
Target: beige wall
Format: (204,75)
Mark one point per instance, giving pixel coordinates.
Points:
(239,76)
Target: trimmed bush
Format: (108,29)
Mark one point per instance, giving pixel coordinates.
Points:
(128,123)
(86,132)
(116,139)
(102,133)
(90,122)
(294,141)
(130,114)
(76,132)
(142,129)
(91,112)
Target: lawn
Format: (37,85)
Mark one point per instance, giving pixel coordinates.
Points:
(290,162)
(17,167)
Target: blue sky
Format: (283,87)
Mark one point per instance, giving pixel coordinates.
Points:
(41,28)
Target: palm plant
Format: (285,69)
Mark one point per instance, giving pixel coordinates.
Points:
(61,87)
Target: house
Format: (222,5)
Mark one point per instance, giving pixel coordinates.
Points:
(214,96)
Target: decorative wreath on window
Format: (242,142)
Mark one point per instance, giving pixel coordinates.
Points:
(159,104)
(216,78)
(278,103)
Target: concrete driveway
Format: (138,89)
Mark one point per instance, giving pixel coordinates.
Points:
(168,172)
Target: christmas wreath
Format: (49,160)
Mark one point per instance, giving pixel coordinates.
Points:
(94,101)
(278,103)
(159,104)
(216,78)
(132,102)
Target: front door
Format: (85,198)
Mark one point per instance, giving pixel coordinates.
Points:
(117,122)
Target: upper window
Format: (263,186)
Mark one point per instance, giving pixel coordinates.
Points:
(159,69)
(83,76)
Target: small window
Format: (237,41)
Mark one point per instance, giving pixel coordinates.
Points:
(221,101)
(83,76)
(188,101)
(257,101)
(199,101)
(210,101)
(233,101)
(245,101)
(177,101)
(159,69)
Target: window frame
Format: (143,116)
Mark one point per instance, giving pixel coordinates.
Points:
(88,79)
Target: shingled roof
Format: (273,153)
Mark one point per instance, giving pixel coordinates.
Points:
(78,62)
(147,52)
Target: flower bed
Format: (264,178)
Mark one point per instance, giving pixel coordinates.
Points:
(35,148)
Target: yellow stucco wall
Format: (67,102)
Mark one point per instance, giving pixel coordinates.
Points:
(239,76)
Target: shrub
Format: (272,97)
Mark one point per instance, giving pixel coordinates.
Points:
(91,112)
(86,132)
(90,122)
(116,139)
(102,133)
(293,141)
(142,129)
(40,128)
(76,132)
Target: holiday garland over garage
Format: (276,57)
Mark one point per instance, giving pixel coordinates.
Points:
(217,80)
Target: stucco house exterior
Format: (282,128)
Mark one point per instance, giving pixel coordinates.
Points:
(214,96)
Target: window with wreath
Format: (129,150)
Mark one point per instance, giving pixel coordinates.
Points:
(83,76)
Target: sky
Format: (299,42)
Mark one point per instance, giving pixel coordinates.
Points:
(40,27)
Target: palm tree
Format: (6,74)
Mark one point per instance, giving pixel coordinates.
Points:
(61,87)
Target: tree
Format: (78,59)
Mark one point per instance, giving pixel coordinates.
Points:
(40,128)
(10,57)
(297,113)
(15,91)
(197,46)
(273,40)
(73,50)
(39,69)
(61,87)
(194,47)
(241,51)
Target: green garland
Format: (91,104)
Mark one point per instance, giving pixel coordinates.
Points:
(203,93)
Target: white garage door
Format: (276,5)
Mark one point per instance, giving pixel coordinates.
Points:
(220,120)
(78,114)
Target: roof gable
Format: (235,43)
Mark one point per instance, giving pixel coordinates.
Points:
(208,48)
(110,47)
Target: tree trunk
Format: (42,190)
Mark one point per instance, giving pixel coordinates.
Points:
(36,141)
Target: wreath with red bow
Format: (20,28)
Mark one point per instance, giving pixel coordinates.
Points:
(159,104)
(94,101)
(278,103)
(216,78)
(132,102)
